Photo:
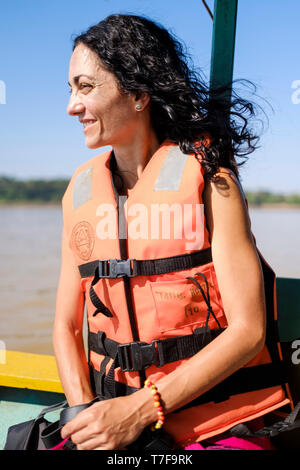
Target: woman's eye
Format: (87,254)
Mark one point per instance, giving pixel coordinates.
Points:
(82,87)
(85,86)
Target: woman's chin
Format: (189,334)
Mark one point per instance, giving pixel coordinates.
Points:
(93,144)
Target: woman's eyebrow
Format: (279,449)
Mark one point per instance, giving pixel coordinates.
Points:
(77,77)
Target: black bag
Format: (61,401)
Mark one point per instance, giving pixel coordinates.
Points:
(40,434)
(27,435)
(284,434)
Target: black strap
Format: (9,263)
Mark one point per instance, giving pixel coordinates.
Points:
(162,352)
(100,380)
(71,412)
(104,391)
(206,298)
(100,307)
(40,418)
(51,434)
(51,408)
(272,333)
(114,268)
(246,379)
(140,355)
(137,356)
(290,422)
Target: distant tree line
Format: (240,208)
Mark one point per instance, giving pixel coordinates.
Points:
(51,191)
(12,190)
(258,198)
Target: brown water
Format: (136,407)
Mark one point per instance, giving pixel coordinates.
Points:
(29,270)
(30,261)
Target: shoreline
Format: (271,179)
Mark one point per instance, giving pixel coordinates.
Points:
(267,205)
(275,205)
(29,203)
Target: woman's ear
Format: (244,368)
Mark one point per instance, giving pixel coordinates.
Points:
(142,99)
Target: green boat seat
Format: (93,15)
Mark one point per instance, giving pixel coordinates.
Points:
(288,307)
(288,314)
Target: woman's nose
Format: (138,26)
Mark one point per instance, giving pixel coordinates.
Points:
(75,105)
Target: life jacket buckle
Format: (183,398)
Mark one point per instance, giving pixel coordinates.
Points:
(139,355)
(114,268)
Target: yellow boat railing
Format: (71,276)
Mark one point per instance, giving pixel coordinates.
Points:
(31,371)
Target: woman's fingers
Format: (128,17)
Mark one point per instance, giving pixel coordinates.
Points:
(105,425)
(80,422)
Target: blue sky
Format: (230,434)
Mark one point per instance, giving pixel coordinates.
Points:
(39,140)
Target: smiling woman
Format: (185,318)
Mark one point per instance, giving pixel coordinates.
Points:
(177,333)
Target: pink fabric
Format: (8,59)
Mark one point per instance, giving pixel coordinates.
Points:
(234,443)
(228,442)
(59,446)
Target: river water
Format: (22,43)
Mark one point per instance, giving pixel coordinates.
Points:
(30,262)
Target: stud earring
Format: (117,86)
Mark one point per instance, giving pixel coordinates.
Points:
(138,107)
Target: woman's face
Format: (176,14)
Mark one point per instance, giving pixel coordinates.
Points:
(108,116)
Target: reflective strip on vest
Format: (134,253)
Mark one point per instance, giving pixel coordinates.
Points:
(82,190)
(169,177)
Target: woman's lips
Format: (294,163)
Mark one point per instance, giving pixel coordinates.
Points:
(87,125)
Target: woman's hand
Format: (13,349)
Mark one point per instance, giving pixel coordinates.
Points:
(106,425)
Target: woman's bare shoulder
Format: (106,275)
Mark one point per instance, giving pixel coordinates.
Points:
(225,182)
(225,204)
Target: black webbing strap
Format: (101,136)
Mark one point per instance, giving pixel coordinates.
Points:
(114,268)
(104,391)
(289,423)
(244,380)
(272,333)
(100,307)
(140,355)
(247,379)
(133,355)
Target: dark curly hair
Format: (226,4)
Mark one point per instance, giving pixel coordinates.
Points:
(145,57)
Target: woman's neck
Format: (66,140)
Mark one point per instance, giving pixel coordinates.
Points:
(132,159)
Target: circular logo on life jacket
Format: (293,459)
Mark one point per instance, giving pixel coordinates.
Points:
(82,240)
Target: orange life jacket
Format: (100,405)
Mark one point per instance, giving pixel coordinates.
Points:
(152,295)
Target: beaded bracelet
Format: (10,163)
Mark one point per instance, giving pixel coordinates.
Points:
(160,413)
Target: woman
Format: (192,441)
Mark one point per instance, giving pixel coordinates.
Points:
(189,312)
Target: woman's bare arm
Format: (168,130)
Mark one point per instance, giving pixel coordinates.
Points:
(67,332)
